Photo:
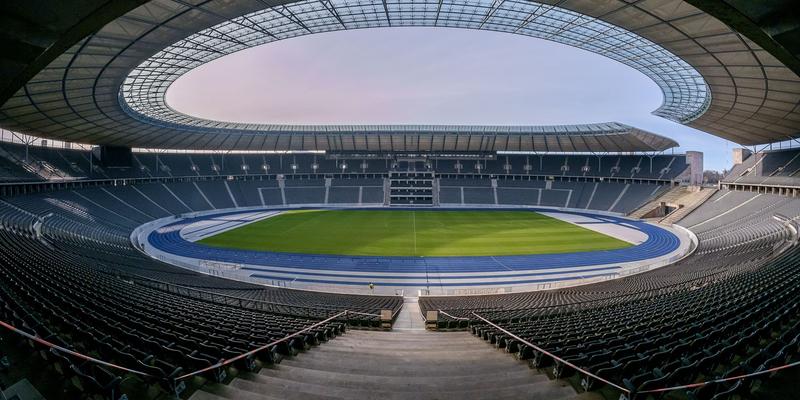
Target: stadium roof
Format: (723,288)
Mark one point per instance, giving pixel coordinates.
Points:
(102,80)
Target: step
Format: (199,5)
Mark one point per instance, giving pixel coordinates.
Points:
(466,340)
(411,336)
(219,391)
(416,344)
(366,345)
(397,366)
(382,368)
(290,390)
(378,349)
(418,359)
(401,383)
(478,350)
(460,340)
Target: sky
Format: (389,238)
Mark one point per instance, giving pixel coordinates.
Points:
(430,76)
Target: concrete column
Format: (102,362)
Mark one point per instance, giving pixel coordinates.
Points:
(695,161)
(386,319)
(431,320)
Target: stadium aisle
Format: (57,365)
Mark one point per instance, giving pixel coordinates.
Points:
(398,365)
(410,316)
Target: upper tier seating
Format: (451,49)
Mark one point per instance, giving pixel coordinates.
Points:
(55,163)
(778,167)
(614,197)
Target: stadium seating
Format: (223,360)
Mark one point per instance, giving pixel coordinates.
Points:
(728,309)
(70,277)
(60,163)
(771,167)
(737,291)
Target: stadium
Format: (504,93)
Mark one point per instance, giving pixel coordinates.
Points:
(147,253)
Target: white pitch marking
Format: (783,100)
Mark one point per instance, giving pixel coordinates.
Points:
(414,226)
(597,224)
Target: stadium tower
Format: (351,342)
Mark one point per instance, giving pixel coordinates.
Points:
(146,253)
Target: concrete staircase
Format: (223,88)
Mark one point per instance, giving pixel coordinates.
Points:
(683,199)
(405,365)
(669,197)
(690,203)
(410,316)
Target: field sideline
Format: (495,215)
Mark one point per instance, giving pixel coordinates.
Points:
(414,233)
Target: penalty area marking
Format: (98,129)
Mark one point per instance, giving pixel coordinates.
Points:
(618,230)
(215,226)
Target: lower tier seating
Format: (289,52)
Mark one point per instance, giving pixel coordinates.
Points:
(78,285)
(731,308)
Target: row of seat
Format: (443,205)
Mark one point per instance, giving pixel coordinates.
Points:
(730,308)
(70,277)
(65,163)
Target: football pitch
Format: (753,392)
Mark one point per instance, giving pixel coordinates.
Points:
(414,233)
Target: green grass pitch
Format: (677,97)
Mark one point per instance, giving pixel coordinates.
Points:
(414,233)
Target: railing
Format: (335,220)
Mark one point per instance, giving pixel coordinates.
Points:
(174,382)
(633,393)
(260,349)
(70,352)
(452,316)
(721,380)
(553,356)
(627,393)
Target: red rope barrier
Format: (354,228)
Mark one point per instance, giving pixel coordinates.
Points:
(262,348)
(565,362)
(721,380)
(70,352)
(453,316)
(629,392)
(217,365)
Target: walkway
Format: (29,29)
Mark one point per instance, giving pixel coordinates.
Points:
(410,317)
(404,365)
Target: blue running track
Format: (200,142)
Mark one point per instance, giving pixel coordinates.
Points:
(325,268)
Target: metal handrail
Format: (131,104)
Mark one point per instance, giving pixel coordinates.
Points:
(262,348)
(362,313)
(634,392)
(136,372)
(68,351)
(555,357)
(343,313)
(721,380)
(452,316)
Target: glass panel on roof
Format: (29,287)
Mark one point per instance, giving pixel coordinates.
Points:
(686,93)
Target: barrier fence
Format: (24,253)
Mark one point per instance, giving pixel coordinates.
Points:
(220,364)
(260,349)
(553,356)
(628,393)
(452,316)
